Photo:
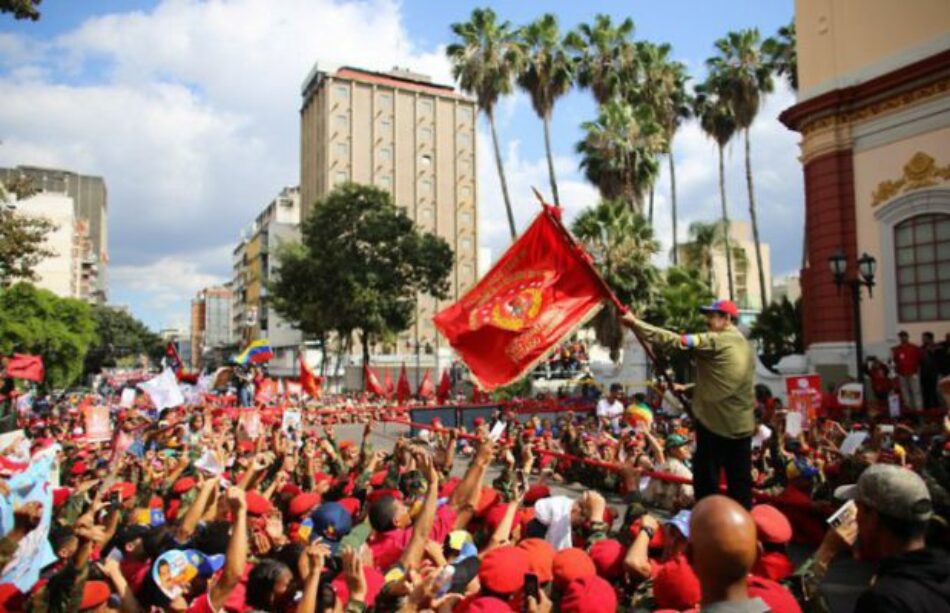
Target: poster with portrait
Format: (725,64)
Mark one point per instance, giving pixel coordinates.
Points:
(98,425)
(804,396)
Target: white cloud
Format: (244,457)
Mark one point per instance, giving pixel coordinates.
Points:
(166,280)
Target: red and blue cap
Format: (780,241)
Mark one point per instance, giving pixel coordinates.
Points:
(726,307)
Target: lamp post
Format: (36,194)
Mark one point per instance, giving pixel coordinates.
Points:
(418,345)
(865,278)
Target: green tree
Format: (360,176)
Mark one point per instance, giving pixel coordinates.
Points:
(605,56)
(121,339)
(36,321)
(782,52)
(618,152)
(778,329)
(546,74)
(21,9)
(623,246)
(662,87)
(741,74)
(485,58)
(22,245)
(716,119)
(682,292)
(366,262)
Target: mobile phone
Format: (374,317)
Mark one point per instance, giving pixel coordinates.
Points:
(531,588)
(115,498)
(844,522)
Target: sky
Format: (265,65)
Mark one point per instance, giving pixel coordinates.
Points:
(189,110)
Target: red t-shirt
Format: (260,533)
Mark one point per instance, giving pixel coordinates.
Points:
(773,565)
(906,359)
(776,596)
(387,547)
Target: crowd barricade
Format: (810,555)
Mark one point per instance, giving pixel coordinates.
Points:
(455,416)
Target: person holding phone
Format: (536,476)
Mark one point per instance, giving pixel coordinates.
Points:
(723,398)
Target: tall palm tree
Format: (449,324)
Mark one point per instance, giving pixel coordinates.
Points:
(618,152)
(605,56)
(742,76)
(662,86)
(546,74)
(485,59)
(623,247)
(698,252)
(715,118)
(782,52)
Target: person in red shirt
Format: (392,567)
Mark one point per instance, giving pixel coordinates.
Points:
(906,357)
(881,383)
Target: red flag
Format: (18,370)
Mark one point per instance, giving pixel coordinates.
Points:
(310,383)
(388,384)
(174,360)
(478,396)
(370,382)
(541,290)
(426,387)
(23,366)
(445,386)
(266,391)
(403,391)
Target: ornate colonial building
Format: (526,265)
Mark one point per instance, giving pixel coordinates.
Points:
(874,115)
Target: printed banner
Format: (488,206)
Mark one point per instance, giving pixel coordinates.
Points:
(804,396)
(98,425)
(542,289)
(34,552)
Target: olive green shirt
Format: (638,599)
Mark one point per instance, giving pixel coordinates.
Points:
(724,396)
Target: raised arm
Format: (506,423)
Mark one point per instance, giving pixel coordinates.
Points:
(236,556)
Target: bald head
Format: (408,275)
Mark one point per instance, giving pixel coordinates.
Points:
(723,544)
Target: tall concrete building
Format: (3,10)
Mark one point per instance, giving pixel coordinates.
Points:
(402,132)
(90,200)
(210,323)
(255,261)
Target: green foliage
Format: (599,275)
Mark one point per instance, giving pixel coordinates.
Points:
(781,50)
(605,56)
(741,74)
(623,246)
(683,292)
(519,389)
(778,329)
(22,245)
(547,71)
(360,266)
(21,9)
(485,57)
(121,339)
(36,321)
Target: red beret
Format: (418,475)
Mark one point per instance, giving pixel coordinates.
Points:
(183,485)
(608,555)
(126,489)
(257,504)
(79,468)
(485,604)
(245,445)
(540,558)
(301,504)
(291,488)
(570,564)
(656,542)
(503,570)
(156,502)
(60,496)
(771,524)
(377,494)
(486,499)
(378,478)
(352,505)
(589,595)
(536,492)
(94,593)
(675,585)
(497,513)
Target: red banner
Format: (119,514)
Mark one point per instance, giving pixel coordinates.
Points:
(309,382)
(541,290)
(804,396)
(23,366)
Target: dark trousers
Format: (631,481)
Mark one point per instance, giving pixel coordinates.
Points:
(715,453)
(928,390)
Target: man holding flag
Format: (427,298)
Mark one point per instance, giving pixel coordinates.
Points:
(723,398)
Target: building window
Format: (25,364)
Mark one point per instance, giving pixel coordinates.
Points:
(425,135)
(465,194)
(425,161)
(342,92)
(922,246)
(386,182)
(385,128)
(465,139)
(425,186)
(466,244)
(385,154)
(467,271)
(340,177)
(425,107)
(386,101)
(342,121)
(465,218)
(427,213)
(465,114)
(343,150)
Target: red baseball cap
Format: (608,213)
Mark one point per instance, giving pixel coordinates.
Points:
(503,570)
(608,555)
(571,564)
(676,586)
(540,558)
(726,307)
(302,504)
(94,593)
(589,595)
(257,504)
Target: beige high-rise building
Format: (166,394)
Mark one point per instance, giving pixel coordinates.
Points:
(402,132)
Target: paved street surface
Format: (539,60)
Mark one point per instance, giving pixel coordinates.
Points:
(845,581)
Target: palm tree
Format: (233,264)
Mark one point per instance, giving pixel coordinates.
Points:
(605,56)
(782,53)
(662,86)
(546,75)
(484,60)
(618,152)
(623,247)
(715,118)
(741,75)
(698,252)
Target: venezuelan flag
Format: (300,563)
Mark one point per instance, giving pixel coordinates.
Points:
(639,413)
(257,352)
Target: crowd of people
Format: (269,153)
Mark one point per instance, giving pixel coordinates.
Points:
(912,372)
(617,506)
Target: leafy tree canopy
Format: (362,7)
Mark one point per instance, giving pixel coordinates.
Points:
(21,9)
(779,331)
(36,321)
(121,338)
(22,245)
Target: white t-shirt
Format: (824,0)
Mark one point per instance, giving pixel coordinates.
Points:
(612,411)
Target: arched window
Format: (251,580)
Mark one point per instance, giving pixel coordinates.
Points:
(922,257)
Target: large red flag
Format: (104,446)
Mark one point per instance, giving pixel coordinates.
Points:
(388,383)
(426,387)
(309,383)
(403,391)
(541,290)
(445,386)
(371,382)
(23,366)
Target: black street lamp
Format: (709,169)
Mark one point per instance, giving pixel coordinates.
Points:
(866,268)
